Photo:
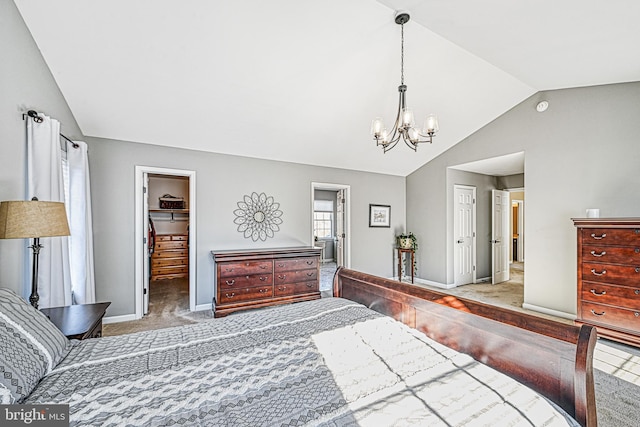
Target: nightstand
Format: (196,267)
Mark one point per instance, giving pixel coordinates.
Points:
(80,321)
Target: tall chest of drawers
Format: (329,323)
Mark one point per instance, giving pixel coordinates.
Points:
(609,276)
(247,279)
(170,258)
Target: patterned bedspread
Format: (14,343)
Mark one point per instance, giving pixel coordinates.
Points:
(327,362)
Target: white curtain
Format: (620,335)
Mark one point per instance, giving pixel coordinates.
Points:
(44,176)
(78,203)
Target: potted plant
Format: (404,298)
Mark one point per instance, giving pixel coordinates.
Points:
(407,241)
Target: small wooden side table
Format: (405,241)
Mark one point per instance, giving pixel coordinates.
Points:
(79,321)
(405,251)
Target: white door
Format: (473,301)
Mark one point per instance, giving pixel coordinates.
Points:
(500,239)
(147,244)
(464,233)
(340,231)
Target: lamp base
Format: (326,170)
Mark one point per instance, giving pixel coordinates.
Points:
(34,298)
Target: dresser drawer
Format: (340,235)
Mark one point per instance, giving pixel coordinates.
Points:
(608,236)
(611,316)
(164,262)
(614,274)
(170,244)
(620,296)
(612,254)
(170,253)
(169,237)
(295,264)
(230,296)
(228,269)
(296,288)
(246,281)
(295,276)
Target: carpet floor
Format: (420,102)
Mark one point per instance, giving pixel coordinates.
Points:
(617,366)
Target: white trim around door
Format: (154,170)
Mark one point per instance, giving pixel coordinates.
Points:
(347,215)
(141,233)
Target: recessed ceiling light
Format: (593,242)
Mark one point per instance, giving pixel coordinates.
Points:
(542,106)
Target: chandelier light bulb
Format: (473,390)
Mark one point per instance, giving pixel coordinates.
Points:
(377,127)
(407,118)
(431,124)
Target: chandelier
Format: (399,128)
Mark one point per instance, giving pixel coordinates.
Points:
(404,126)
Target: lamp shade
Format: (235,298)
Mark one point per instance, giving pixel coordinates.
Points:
(31,219)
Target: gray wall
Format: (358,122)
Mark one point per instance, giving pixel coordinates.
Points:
(25,83)
(221,182)
(581,153)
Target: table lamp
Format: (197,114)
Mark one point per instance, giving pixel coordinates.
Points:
(33,219)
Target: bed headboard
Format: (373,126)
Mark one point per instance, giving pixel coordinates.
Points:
(555,359)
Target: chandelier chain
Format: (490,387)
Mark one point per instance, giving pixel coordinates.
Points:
(402,54)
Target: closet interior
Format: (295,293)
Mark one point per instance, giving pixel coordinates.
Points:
(168,227)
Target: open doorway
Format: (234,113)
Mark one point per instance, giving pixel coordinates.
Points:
(330,228)
(503,176)
(165,249)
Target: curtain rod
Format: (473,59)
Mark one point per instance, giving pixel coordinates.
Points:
(36,118)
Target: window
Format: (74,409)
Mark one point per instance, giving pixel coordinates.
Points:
(323,218)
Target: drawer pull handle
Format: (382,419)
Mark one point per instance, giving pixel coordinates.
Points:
(246,264)
(262,291)
(637,250)
(263,267)
(282,288)
(599,237)
(262,278)
(598,255)
(231,283)
(593,270)
(637,269)
(637,292)
(636,314)
(597,314)
(593,291)
(310,273)
(309,262)
(228,270)
(233,294)
(280,265)
(282,276)
(246,277)
(309,285)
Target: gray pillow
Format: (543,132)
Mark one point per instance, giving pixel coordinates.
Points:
(30,347)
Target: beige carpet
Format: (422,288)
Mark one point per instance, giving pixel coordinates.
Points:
(168,306)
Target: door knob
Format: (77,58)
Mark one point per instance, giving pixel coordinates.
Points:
(460,241)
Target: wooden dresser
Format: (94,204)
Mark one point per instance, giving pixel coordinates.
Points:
(609,276)
(248,279)
(170,258)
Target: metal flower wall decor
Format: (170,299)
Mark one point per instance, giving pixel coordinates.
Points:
(258,216)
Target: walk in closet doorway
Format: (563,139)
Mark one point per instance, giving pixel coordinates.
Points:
(165,247)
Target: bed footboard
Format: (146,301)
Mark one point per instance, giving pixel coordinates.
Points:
(555,359)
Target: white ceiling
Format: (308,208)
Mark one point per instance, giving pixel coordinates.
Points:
(300,80)
(509,164)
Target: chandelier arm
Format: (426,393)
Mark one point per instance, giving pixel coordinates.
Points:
(389,146)
(411,144)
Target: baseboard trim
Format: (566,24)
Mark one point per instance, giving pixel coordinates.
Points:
(118,319)
(419,281)
(548,311)
(202,307)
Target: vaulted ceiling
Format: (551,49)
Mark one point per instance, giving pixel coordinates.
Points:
(301,80)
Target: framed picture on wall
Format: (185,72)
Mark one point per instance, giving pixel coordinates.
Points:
(379,216)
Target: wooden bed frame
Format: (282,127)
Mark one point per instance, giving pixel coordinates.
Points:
(555,359)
